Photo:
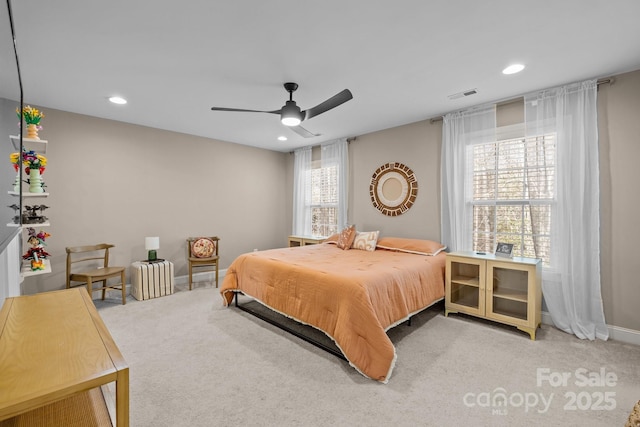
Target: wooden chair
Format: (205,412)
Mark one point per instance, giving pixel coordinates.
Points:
(91,256)
(202,252)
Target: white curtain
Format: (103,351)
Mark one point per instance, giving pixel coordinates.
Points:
(301,192)
(571,287)
(337,152)
(461,129)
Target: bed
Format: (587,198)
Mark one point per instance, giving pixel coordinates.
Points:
(354,296)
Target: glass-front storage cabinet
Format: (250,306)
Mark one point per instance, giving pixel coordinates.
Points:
(506,290)
(463,279)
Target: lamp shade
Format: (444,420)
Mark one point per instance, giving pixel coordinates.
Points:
(151,243)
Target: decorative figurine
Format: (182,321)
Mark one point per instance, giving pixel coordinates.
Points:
(16,209)
(30,215)
(36,253)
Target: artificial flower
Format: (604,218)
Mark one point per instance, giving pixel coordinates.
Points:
(33,160)
(15,160)
(32,116)
(30,159)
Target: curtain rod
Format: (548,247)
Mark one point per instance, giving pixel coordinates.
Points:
(607,80)
(349,141)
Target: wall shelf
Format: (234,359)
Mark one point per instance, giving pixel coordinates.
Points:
(26,269)
(30,144)
(27,194)
(32,225)
(38,146)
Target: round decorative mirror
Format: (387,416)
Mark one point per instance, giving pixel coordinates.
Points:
(393,189)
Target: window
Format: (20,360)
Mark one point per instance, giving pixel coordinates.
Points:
(513,194)
(324,200)
(320,189)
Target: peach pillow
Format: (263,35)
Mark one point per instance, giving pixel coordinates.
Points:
(366,240)
(332,239)
(345,240)
(416,246)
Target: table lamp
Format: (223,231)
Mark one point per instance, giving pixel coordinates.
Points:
(151,244)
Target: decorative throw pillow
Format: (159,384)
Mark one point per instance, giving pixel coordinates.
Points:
(203,248)
(345,240)
(366,240)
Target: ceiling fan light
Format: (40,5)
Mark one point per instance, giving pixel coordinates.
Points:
(290,114)
(290,121)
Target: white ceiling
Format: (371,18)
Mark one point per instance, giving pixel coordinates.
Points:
(401,59)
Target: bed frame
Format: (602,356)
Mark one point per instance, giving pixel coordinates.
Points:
(292,331)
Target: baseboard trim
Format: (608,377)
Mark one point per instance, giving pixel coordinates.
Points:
(629,336)
(546,318)
(617,333)
(197,277)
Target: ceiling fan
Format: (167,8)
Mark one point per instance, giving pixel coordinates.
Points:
(292,116)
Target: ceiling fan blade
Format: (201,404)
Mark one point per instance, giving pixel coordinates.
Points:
(303,132)
(330,103)
(244,111)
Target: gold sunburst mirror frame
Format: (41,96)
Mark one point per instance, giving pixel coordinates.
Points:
(393,189)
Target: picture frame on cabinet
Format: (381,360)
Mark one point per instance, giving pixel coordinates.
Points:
(504,250)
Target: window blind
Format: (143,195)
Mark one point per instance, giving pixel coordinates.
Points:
(324,200)
(513,194)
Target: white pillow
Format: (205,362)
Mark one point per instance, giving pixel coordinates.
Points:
(366,240)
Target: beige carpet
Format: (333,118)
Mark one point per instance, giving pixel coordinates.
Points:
(194,362)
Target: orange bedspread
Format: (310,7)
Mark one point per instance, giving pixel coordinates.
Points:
(353,296)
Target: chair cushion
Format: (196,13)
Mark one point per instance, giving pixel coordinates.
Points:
(203,247)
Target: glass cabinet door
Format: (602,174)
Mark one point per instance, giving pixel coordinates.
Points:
(465,279)
(508,287)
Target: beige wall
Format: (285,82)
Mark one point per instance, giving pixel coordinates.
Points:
(416,145)
(115,182)
(619,133)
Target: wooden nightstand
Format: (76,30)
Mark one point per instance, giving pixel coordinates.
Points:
(506,290)
(304,240)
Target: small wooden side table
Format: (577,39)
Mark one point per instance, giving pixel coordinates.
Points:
(295,241)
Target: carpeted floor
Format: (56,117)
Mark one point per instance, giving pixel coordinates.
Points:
(194,362)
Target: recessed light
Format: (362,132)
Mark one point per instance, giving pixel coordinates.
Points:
(512,69)
(117,100)
(282,138)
